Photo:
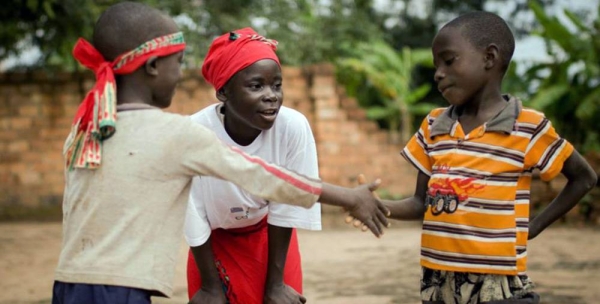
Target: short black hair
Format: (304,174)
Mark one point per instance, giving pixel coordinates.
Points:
(126,25)
(482,29)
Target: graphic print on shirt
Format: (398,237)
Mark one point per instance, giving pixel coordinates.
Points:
(244,212)
(444,195)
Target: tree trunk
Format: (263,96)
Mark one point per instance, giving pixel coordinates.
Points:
(406,123)
(394,135)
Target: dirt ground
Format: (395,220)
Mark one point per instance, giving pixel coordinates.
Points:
(340,265)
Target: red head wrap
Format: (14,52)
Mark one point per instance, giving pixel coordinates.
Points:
(233,52)
(96,117)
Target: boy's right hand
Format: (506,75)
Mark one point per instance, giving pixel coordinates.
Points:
(209,297)
(360,203)
(370,211)
(350,219)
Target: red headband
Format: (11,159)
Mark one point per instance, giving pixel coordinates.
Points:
(232,52)
(96,117)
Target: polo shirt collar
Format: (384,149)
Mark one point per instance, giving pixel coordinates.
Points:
(503,122)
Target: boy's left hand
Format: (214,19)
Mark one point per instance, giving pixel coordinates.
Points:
(282,294)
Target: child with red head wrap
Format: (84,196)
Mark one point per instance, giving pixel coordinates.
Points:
(129,166)
(244,245)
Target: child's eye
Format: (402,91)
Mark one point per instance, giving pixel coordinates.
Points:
(449,61)
(255,86)
(278,86)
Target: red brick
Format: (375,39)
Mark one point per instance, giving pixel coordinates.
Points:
(18,146)
(291,72)
(5,123)
(20,123)
(29,177)
(325,103)
(345,147)
(322,91)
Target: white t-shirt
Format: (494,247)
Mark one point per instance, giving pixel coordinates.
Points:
(215,203)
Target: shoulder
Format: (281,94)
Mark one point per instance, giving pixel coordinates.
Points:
(205,115)
(172,119)
(433,114)
(183,129)
(292,127)
(291,121)
(290,116)
(436,112)
(531,116)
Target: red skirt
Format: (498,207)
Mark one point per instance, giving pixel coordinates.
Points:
(241,256)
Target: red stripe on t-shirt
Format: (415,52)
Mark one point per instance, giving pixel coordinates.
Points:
(284,176)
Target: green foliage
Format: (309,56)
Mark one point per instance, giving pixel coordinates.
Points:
(309,31)
(568,91)
(54,26)
(390,73)
(386,74)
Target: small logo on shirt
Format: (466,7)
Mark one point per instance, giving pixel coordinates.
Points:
(238,210)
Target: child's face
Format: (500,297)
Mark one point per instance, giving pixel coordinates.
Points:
(254,96)
(169,74)
(460,71)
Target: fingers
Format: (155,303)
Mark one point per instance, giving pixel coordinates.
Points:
(374,185)
(375,229)
(361,179)
(383,220)
(384,209)
(383,214)
(379,219)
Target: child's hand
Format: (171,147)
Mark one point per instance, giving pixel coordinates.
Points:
(282,294)
(373,220)
(350,219)
(209,297)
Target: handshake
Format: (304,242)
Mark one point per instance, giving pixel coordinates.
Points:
(357,222)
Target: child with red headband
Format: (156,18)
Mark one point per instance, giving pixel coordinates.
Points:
(130,165)
(244,249)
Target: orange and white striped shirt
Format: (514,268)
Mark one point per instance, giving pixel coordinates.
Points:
(477,214)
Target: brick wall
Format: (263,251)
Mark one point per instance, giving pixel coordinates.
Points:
(37,110)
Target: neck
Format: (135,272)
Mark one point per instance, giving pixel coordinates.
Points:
(488,99)
(131,90)
(242,135)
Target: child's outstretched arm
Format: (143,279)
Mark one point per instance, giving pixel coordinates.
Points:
(411,208)
(204,154)
(581,179)
(360,203)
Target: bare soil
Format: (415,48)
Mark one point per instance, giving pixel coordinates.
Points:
(341,265)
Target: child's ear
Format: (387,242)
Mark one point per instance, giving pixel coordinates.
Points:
(492,56)
(221,95)
(150,66)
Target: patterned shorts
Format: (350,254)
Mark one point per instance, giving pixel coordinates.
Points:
(438,286)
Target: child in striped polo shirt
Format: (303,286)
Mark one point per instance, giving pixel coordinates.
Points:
(475,160)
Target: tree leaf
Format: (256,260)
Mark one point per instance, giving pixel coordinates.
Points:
(379,113)
(548,96)
(589,105)
(422,108)
(418,93)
